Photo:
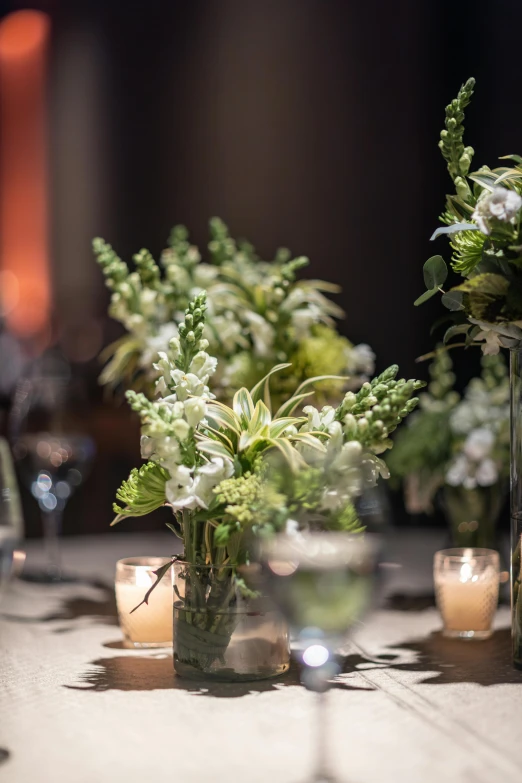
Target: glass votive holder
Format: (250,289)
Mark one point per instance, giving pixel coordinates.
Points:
(151,624)
(466,590)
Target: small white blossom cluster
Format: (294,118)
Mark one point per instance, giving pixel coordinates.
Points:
(480,424)
(169,439)
(501,204)
(258,312)
(350,468)
(474,465)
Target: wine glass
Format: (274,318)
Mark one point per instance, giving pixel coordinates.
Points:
(323,583)
(51,447)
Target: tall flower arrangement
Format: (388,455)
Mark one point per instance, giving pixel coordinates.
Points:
(211,464)
(482,220)
(258,312)
(457,444)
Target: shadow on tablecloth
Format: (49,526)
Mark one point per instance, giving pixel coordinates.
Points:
(449,661)
(155,672)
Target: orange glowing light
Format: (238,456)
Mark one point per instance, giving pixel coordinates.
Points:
(24,37)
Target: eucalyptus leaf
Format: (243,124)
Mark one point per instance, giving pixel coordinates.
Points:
(453,300)
(435,272)
(425,296)
(454,330)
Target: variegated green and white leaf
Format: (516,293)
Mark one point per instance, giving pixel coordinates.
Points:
(288,407)
(242,405)
(214,448)
(261,390)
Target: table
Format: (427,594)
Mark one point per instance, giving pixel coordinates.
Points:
(411,707)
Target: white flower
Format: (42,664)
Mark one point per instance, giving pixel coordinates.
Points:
(203,365)
(181,429)
(478,444)
(262,333)
(195,410)
(363,359)
(457,472)
(148,302)
(186,384)
(486,473)
(303,319)
(209,476)
(502,204)
(491,339)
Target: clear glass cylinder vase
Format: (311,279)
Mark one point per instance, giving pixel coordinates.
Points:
(515,376)
(224,631)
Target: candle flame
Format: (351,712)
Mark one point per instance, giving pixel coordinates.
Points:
(143,577)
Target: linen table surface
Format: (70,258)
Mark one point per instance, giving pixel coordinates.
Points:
(411,707)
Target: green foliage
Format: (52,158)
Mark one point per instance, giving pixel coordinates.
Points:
(142,492)
(451,143)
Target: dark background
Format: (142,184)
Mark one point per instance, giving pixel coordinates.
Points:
(306,123)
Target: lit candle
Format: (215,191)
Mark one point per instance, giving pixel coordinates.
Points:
(466,588)
(151,624)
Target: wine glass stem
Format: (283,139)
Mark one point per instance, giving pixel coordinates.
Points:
(52,527)
(322,772)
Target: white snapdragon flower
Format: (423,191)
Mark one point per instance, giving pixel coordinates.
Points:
(502,204)
(487,473)
(164,340)
(262,333)
(209,476)
(457,473)
(303,319)
(362,359)
(230,332)
(195,410)
(205,274)
(478,444)
(148,302)
(188,384)
(203,365)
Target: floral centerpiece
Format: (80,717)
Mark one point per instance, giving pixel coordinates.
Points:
(258,313)
(483,220)
(458,446)
(209,463)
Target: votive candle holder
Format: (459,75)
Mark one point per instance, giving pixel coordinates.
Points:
(151,624)
(466,590)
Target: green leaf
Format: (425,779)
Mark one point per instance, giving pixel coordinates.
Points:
(243,405)
(261,390)
(425,296)
(308,439)
(293,458)
(223,415)
(261,417)
(516,158)
(279,425)
(214,448)
(454,330)
(453,300)
(288,407)
(485,179)
(453,229)
(435,272)
(486,283)
(317,379)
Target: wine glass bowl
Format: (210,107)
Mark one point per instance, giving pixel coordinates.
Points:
(323,582)
(51,446)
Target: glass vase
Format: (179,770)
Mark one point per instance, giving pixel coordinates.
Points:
(515,377)
(224,631)
(472,514)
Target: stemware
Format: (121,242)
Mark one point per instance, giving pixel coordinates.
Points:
(51,447)
(323,583)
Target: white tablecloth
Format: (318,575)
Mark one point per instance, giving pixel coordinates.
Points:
(412,708)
